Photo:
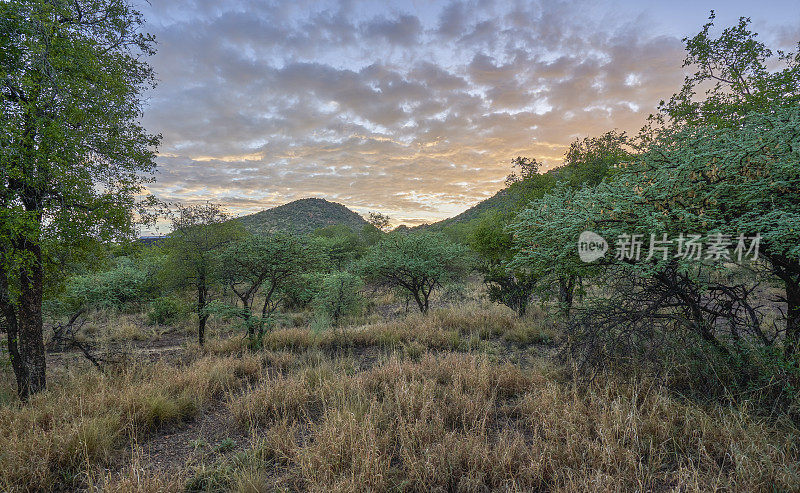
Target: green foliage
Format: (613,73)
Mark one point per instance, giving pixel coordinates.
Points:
(739,75)
(338,246)
(264,265)
(588,161)
(339,296)
(73,154)
(418,263)
(199,232)
(125,283)
(510,286)
(165,310)
(526,168)
(728,172)
(72,147)
(380,221)
(300,290)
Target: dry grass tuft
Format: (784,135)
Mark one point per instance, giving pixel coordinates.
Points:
(442,329)
(460,422)
(80,422)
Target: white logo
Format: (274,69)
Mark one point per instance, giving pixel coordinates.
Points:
(591,246)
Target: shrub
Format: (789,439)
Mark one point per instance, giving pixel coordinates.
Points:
(124,283)
(165,310)
(339,296)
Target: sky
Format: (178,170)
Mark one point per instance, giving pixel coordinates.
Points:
(413,108)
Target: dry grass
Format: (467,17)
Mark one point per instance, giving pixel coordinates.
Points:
(85,417)
(408,404)
(457,422)
(448,328)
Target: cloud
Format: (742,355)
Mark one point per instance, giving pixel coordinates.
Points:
(403,31)
(381,109)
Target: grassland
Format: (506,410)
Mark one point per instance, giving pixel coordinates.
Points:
(467,398)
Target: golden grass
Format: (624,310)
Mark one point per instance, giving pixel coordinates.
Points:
(459,422)
(85,417)
(410,404)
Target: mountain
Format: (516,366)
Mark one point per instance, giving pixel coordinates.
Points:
(302,216)
(496,201)
(517,195)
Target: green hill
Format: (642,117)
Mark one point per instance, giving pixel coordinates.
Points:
(496,201)
(302,216)
(516,196)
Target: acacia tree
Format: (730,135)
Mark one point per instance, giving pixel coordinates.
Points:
(739,144)
(72,153)
(739,75)
(742,180)
(418,263)
(265,265)
(725,166)
(198,233)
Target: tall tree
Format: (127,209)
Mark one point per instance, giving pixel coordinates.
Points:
(493,242)
(380,221)
(198,233)
(73,155)
(738,73)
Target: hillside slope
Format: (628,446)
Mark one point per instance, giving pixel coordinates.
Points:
(302,216)
(511,198)
(496,201)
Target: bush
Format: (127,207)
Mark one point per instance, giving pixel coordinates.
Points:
(301,291)
(125,283)
(165,310)
(339,296)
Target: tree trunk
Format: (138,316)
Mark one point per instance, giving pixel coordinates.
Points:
(201,329)
(792,343)
(202,316)
(423,305)
(566,290)
(10,326)
(30,338)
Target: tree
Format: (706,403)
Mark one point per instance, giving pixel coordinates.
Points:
(416,262)
(339,244)
(739,74)
(380,221)
(739,143)
(545,236)
(586,163)
(526,168)
(198,233)
(264,264)
(591,159)
(73,154)
(741,180)
(492,241)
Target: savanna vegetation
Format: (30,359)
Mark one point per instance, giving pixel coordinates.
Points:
(479,354)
